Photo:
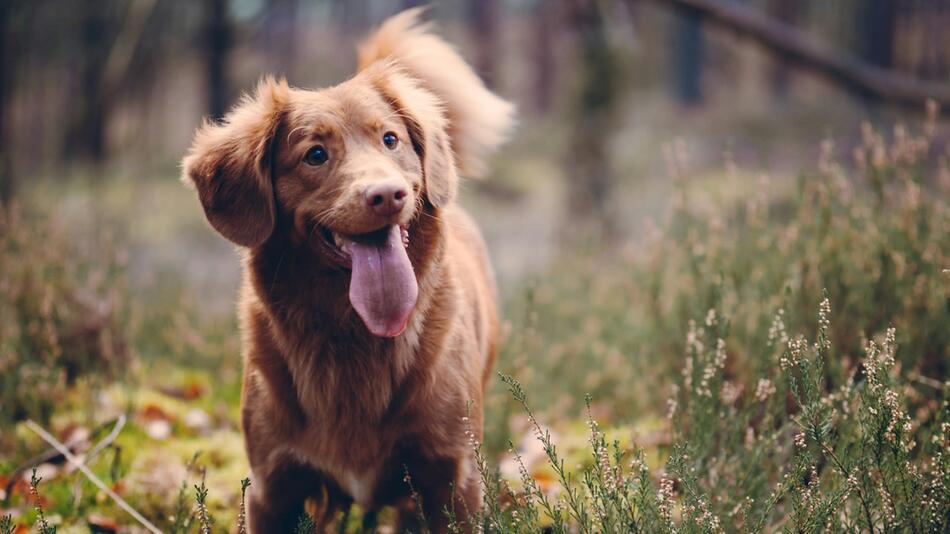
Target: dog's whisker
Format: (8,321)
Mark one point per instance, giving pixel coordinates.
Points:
(292,132)
(395,113)
(280,262)
(442,220)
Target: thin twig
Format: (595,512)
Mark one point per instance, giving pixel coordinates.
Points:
(91,455)
(91,476)
(847,474)
(51,454)
(108,440)
(46,456)
(927,381)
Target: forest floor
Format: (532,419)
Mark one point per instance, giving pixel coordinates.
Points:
(745,224)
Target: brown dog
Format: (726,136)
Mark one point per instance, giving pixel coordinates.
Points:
(368,307)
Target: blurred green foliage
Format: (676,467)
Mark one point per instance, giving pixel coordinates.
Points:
(874,236)
(705,411)
(61,315)
(765,430)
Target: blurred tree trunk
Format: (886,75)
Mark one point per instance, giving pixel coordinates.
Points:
(217,47)
(280,27)
(590,180)
(7,73)
(938,43)
(928,22)
(543,26)
(877,38)
(688,56)
(785,11)
(484,16)
(880,18)
(87,137)
(353,14)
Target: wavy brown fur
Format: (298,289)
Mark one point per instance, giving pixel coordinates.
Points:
(329,409)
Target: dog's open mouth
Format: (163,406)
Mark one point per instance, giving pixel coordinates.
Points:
(383,288)
(337,246)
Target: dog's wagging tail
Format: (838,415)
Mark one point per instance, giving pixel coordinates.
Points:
(368,306)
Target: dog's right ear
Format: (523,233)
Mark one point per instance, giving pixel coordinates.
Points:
(230,165)
(422,114)
(477,120)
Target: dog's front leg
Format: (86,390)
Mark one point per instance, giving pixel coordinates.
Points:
(446,499)
(275,514)
(275,500)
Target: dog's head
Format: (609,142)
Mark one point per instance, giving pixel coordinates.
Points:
(345,161)
(348,169)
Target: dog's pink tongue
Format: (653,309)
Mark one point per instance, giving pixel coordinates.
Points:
(383,288)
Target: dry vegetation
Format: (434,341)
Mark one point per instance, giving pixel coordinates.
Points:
(774,359)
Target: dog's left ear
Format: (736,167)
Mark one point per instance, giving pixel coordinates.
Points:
(422,114)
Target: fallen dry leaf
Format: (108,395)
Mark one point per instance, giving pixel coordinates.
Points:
(151,412)
(191,390)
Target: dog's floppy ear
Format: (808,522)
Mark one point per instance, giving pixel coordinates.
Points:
(422,114)
(230,165)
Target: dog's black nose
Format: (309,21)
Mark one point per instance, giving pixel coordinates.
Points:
(386,199)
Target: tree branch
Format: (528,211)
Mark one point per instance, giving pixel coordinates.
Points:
(798,47)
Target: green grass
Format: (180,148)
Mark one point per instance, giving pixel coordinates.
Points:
(769,356)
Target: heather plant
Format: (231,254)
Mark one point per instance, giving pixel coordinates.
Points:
(60,315)
(242,511)
(841,459)
(769,359)
(205,520)
(305,524)
(767,431)
(870,231)
(42,524)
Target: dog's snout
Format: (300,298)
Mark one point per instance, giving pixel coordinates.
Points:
(386,199)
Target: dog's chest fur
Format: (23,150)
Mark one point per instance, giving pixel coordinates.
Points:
(347,393)
(354,408)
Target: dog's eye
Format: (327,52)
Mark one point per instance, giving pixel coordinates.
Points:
(316,156)
(390,139)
